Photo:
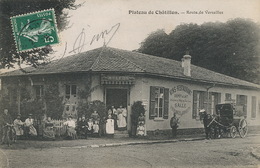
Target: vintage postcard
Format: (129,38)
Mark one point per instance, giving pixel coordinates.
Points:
(128,83)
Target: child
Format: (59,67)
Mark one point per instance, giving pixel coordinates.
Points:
(95,129)
(90,126)
(141,129)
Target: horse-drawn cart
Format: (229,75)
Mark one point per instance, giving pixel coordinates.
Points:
(229,120)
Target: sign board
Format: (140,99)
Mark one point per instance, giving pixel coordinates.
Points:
(180,99)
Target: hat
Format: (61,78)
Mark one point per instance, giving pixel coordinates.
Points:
(30,114)
(18,114)
(202,110)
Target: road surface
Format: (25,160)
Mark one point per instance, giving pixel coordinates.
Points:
(203,153)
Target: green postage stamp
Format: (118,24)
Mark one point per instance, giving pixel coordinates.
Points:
(35,30)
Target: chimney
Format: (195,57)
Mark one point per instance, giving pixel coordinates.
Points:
(186,64)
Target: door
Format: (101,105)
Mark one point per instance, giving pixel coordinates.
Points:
(116,97)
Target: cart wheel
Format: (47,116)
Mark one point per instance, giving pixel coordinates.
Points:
(233,131)
(242,128)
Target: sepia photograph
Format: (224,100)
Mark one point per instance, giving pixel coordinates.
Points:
(129,84)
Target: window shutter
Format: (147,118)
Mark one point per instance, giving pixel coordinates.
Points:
(219,98)
(209,104)
(253,109)
(204,98)
(245,106)
(237,100)
(166,103)
(195,105)
(152,113)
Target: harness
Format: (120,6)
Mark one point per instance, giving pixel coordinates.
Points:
(214,120)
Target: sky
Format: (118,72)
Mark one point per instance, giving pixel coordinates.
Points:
(128,29)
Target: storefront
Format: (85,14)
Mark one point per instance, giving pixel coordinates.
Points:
(119,78)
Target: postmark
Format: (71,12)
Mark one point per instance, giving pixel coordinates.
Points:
(35,30)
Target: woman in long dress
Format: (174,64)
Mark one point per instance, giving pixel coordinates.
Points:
(71,125)
(18,126)
(48,132)
(110,126)
(30,129)
(122,118)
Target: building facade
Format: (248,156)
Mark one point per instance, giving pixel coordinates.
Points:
(119,78)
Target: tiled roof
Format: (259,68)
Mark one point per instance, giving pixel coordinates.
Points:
(106,59)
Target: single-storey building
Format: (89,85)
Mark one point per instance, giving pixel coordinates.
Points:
(118,77)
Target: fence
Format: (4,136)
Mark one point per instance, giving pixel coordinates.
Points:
(58,128)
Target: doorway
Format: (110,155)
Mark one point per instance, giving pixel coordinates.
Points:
(116,97)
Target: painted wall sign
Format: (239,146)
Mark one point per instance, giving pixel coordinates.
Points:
(180,99)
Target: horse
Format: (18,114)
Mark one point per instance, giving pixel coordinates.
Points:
(210,122)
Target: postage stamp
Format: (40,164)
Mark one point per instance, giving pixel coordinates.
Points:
(35,30)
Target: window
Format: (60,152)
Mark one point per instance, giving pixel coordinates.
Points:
(204,100)
(71,91)
(253,110)
(228,97)
(38,91)
(214,99)
(241,101)
(159,102)
(199,102)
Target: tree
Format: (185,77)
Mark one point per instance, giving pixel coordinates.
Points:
(155,43)
(137,109)
(9,8)
(231,48)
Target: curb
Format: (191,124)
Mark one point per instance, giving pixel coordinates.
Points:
(136,143)
(256,153)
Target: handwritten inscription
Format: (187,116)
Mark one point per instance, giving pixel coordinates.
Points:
(106,35)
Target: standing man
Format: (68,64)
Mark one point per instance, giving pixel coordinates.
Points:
(206,120)
(174,125)
(7,120)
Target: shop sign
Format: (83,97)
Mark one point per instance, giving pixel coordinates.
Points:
(115,79)
(180,99)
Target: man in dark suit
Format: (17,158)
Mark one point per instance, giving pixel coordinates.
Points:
(6,120)
(174,125)
(83,127)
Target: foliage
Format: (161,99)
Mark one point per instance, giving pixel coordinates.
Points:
(9,8)
(231,48)
(53,100)
(137,109)
(87,108)
(50,104)
(32,106)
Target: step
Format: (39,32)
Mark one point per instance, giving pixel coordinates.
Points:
(121,134)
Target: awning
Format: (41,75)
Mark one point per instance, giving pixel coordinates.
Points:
(117,80)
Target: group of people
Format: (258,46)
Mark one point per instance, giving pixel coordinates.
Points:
(89,126)
(119,116)
(96,126)
(22,129)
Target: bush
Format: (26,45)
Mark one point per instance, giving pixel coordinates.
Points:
(87,108)
(137,109)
